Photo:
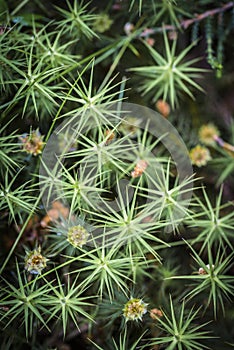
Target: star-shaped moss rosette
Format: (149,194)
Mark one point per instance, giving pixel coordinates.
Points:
(32,143)
(171,76)
(199,155)
(77,236)
(179,329)
(35,262)
(77,20)
(69,235)
(207,134)
(134,309)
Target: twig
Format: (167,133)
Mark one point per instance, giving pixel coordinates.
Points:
(188,22)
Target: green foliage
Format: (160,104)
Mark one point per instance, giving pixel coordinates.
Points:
(17,201)
(212,279)
(108,241)
(122,343)
(181,332)
(168,77)
(8,147)
(23,303)
(214,227)
(77,20)
(66,303)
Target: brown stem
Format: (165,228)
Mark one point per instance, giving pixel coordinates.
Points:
(188,22)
